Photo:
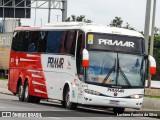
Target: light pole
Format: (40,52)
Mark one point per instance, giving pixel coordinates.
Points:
(147,24)
(49,11)
(146,33)
(152,39)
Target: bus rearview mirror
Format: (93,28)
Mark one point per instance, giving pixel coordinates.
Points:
(85,59)
(152,63)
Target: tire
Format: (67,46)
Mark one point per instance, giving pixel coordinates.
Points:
(20,92)
(36,99)
(27,97)
(69,105)
(118,110)
(63,104)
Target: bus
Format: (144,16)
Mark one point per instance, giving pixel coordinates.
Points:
(79,64)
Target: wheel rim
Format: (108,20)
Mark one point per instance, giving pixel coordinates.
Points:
(26,91)
(67,99)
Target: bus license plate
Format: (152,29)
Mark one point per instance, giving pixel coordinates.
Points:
(114,102)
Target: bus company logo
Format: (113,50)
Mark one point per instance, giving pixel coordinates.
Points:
(115,90)
(90,41)
(55,62)
(116,43)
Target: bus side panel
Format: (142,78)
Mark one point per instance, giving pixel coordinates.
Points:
(28,67)
(13,79)
(58,69)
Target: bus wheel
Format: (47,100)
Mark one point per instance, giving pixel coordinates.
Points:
(20,92)
(68,103)
(63,104)
(36,100)
(27,97)
(118,110)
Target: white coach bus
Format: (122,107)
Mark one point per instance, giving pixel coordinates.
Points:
(79,64)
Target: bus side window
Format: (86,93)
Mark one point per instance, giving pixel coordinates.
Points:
(25,42)
(34,36)
(42,42)
(80,47)
(70,42)
(54,42)
(17,41)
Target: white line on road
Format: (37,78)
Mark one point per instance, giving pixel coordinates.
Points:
(54,118)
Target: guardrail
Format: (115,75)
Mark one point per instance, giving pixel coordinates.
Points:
(154,84)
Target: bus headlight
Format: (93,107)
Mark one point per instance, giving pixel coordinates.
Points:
(136,96)
(92,92)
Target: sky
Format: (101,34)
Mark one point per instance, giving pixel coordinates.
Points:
(101,12)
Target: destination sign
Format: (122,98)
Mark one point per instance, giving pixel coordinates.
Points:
(116,43)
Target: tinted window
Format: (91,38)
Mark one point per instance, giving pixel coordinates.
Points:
(70,42)
(17,41)
(34,36)
(54,41)
(80,47)
(25,42)
(42,42)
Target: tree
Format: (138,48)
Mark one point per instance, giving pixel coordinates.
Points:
(116,22)
(80,18)
(157,31)
(128,26)
(156,55)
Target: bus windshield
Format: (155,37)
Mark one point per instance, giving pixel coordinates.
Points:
(117,69)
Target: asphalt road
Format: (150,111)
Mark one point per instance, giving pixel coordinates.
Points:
(50,110)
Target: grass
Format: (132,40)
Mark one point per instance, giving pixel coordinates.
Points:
(152,96)
(3,79)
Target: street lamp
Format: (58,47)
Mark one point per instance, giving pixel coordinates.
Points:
(152,39)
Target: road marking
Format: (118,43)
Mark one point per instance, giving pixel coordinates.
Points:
(54,118)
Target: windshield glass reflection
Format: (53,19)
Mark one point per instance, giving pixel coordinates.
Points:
(116,69)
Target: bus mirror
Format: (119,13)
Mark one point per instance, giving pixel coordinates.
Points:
(85,59)
(146,57)
(152,63)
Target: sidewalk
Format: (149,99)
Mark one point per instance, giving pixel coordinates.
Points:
(4,87)
(149,104)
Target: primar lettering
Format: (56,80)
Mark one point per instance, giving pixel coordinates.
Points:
(116,43)
(115,90)
(55,62)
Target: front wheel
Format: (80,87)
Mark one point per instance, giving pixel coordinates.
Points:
(68,104)
(118,110)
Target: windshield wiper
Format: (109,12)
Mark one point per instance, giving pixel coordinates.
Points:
(109,73)
(126,79)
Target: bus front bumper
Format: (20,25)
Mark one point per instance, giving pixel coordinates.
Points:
(112,101)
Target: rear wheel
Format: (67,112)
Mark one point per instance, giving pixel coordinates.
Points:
(20,92)
(118,110)
(36,99)
(68,104)
(63,104)
(27,97)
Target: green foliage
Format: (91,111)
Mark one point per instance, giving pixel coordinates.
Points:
(128,26)
(80,18)
(156,55)
(116,22)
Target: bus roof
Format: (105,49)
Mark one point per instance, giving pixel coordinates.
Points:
(86,27)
